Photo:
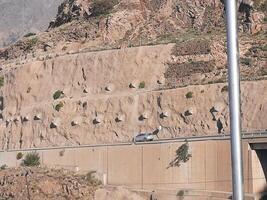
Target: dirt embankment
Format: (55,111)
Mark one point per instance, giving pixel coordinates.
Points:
(42,183)
(109,96)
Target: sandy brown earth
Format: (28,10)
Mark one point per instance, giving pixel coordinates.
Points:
(42,183)
(103,101)
(110,90)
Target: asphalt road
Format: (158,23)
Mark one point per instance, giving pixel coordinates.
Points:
(245,135)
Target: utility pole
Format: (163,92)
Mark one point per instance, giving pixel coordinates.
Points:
(234,98)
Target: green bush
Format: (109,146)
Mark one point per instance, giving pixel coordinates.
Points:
(224,88)
(19,156)
(2,80)
(29,34)
(61,153)
(180,194)
(246,61)
(58,94)
(182,155)
(264,48)
(189,95)
(102,7)
(3,167)
(90,177)
(31,42)
(31,159)
(59,106)
(142,84)
(263,6)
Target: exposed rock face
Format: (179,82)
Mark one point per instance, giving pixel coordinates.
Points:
(203,15)
(68,11)
(133,22)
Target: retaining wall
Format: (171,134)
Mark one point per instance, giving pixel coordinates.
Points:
(146,166)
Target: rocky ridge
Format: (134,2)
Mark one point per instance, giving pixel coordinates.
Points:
(132,22)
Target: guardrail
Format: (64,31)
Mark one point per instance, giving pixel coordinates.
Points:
(245,135)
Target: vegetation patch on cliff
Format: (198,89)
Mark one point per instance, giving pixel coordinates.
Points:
(192,47)
(102,7)
(177,71)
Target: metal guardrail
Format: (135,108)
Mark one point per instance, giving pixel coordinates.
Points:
(245,135)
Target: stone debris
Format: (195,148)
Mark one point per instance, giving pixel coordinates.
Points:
(43,183)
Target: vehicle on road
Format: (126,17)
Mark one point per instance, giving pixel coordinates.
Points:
(143,137)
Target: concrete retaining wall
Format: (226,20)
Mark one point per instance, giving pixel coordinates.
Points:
(146,166)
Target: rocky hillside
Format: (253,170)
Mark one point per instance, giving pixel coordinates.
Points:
(18,18)
(125,23)
(40,183)
(102,74)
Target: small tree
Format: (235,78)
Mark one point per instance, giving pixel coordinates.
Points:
(182,155)
(31,159)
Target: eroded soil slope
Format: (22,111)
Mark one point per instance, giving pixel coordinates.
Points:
(104,76)
(109,96)
(42,183)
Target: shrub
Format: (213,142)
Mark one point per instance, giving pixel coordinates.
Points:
(2,80)
(102,7)
(31,159)
(264,48)
(180,194)
(189,95)
(58,94)
(31,42)
(59,106)
(3,167)
(29,34)
(142,84)
(191,47)
(90,177)
(246,61)
(182,155)
(19,156)
(225,88)
(263,6)
(61,153)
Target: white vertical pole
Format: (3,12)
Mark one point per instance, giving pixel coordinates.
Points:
(234,98)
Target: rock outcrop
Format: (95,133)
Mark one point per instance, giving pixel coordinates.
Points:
(134,22)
